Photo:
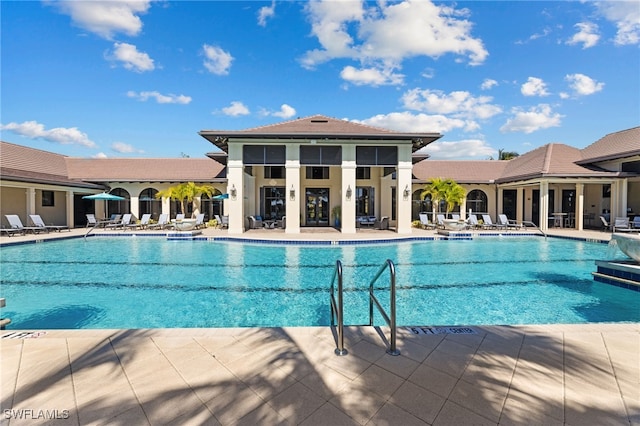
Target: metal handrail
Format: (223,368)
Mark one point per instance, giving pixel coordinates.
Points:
(390,319)
(337,309)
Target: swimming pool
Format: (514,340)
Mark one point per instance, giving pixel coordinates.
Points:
(154,283)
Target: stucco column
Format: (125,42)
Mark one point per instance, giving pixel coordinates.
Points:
(69,209)
(348,187)
(580,206)
(134,206)
(403,194)
(499,202)
(235,189)
(31,203)
(519,204)
(293,192)
(544,205)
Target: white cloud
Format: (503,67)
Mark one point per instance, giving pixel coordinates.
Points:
(125,148)
(106,18)
(61,135)
(534,87)
(626,16)
(384,34)
(371,76)
(265,13)
(160,98)
(459,150)
(410,122)
(583,85)
(99,155)
(217,61)
(130,57)
(488,83)
(286,111)
(458,103)
(587,35)
(236,109)
(536,118)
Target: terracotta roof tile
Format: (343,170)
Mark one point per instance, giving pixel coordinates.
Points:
(625,143)
(145,169)
(463,171)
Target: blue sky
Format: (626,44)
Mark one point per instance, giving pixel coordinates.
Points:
(141,78)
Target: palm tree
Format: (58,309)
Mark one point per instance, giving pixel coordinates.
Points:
(506,155)
(454,194)
(436,191)
(447,190)
(186,191)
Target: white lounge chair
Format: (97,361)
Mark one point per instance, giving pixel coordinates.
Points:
(126,220)
(200,221)
(606,226)
(163,222)
(508,223)
(16,224)
(37,221)
(488,223)
(440,220)
(621,224)
(472,222)
(425,222)
(144,222)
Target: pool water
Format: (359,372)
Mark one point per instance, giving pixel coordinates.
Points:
(154,283)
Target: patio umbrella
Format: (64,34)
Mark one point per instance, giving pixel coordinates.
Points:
(104,196)
(220,197)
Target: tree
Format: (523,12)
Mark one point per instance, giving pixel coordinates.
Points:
(446,190)
(506,155)
(186,191)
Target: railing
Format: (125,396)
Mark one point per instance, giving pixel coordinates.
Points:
(337,309)
(391,318)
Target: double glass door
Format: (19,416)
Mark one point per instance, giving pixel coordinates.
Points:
(317,207)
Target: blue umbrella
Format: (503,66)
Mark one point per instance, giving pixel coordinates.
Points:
(220,197)
(104,196)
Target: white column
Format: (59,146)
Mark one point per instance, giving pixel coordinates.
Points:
(235,189)
(134,206)
(69,209)
(500,201)
(31,202)
(348,187)
(580,206)
(544,205)
(293,191)
(519,204)
(403,179)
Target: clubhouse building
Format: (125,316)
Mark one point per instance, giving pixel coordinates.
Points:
(320,171)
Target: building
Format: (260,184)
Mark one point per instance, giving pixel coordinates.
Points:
(321,171)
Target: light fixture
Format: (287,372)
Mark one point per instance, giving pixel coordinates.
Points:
(233,191)
(292,193)
(349,192)
(407,192)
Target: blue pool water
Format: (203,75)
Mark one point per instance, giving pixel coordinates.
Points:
(152,283)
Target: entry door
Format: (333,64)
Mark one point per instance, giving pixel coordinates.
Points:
(317,207)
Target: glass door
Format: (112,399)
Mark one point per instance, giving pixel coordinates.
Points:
(317,207)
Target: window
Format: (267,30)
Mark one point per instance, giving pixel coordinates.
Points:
(317,172)
(273,202)
(365,201)
(47,199)
(119,206)
(321,155)
(274,172)
(376,155)
(477,202)
(263,154)
(363,173)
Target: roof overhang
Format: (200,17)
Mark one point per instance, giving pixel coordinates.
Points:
(221,139)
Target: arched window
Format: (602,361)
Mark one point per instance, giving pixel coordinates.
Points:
(148,203)
(210,207)
(477,201)
(418,205)
(119,206)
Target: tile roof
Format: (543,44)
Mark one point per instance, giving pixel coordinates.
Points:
(145,169)
(463,171)
(622,144)
(318,126)
(21,163)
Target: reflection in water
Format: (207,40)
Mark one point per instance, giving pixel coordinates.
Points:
(69,316)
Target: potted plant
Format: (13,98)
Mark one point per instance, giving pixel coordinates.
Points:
(336,213)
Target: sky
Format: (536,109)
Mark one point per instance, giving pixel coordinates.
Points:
(141,78)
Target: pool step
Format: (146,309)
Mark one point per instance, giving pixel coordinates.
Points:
(3,321)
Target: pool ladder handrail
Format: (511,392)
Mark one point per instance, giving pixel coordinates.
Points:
(391,318)
(337,309)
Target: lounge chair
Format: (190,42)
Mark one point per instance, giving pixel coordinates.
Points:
(11,232)
(488,223)
(200,221)
(425,222)
(37,221)
(455,216)
(144,222)
(440,220)
(163,222)
(606,226)
(126,220)
(180,216)
(382,224)
(282,223)
(507,223)
(636,223)
(223,221)
(16,223)
(621,224)
(472,222)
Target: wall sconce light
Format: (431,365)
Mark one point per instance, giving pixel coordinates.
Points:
(406,192)
(292,193)
(349,192)
(233,191)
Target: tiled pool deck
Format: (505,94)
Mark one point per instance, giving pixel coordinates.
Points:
(552,374)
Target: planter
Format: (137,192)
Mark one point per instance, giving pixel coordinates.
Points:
(454,225)
(185,224)
(628,244)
